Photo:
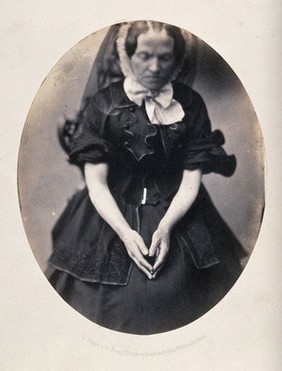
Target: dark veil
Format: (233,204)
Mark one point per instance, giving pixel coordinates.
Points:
(106,70)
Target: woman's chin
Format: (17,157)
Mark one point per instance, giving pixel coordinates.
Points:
(153,84)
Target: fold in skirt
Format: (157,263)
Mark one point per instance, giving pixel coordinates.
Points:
(179,294)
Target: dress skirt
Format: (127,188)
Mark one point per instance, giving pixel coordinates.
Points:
(179,294)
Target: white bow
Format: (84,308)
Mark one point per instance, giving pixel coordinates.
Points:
(161,108)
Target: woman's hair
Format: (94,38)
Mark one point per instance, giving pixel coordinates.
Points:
(141,27)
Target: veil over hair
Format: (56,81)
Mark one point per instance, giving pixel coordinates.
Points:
(107,69)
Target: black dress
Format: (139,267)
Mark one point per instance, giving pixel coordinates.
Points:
(91,268)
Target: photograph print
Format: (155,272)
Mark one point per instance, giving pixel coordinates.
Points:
(141,177)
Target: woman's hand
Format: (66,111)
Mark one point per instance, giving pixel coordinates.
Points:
(137,249)
(159,248)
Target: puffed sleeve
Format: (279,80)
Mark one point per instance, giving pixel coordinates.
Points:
(88,143)
(203,148)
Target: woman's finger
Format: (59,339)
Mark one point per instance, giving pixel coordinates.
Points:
(142,247)
(142,268)
(142,261)
(153,247)
(136,255)
(133,240)
(161,256)
(157,271)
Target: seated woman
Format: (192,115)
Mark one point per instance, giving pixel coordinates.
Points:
(142,249)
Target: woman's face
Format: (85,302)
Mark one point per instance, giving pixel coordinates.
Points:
(153,61)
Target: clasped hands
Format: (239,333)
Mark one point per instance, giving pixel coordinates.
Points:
(143,256)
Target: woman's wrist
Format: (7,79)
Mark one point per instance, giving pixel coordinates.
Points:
(165,227)
(123,231)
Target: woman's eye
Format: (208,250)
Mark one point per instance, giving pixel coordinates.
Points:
(166,57)
(144,56)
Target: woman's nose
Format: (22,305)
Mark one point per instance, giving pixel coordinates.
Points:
(154,65)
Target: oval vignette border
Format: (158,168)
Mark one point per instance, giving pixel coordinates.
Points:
(47,181)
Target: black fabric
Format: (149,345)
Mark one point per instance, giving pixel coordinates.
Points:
(91,268)
(111,122)
(114,130)
(180,294)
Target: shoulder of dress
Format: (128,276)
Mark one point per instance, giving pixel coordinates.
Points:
(102,101)
(185,95)
(111,99)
